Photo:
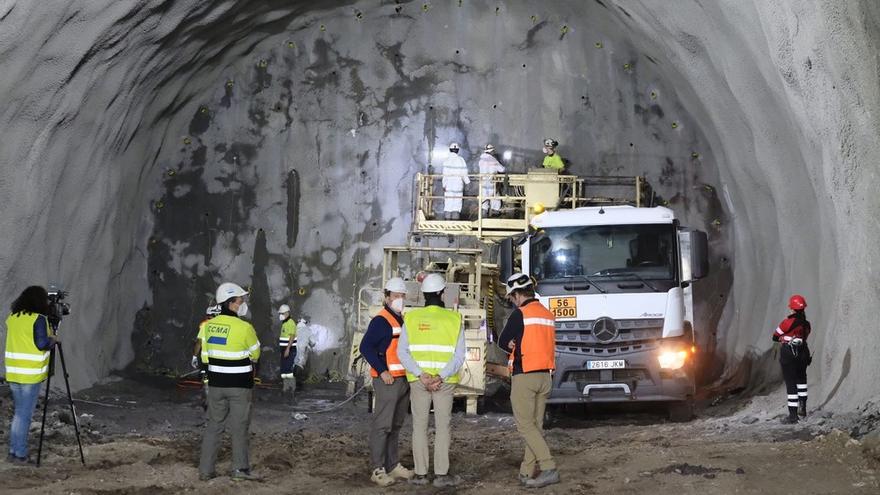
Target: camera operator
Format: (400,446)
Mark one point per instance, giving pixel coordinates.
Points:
(29,338)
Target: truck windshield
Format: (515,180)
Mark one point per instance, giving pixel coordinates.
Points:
(604,252)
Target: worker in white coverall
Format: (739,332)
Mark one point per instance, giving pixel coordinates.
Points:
(305,344)
(489,165)
(454,179)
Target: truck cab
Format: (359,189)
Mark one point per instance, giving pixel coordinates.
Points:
(619,281)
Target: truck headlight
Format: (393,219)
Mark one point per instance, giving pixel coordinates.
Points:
(672,360)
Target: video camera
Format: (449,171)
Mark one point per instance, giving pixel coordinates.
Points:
(57,307)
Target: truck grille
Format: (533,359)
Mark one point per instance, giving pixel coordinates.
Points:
(595,376)
(630,331)
(603,350)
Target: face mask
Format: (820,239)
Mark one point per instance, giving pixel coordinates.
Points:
(242,310)
(281,317)
(397,305)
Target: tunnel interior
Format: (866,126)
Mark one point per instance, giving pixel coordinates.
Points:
(154,149)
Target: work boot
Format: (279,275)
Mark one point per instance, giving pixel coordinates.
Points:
(22,461)
(546,478)
(206,476)
(381,478)
(244,475)
(419,479)
(802,409)
(445,480)
(288,388)
(401,473)
(789,420)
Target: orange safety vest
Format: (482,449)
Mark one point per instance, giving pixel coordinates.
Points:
(538,346)
(391,360)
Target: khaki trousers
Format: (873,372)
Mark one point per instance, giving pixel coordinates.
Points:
(420,400)
(528,396)
(228,409)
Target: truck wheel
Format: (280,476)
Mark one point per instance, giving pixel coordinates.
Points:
(681,411)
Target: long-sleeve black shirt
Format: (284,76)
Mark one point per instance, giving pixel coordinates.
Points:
(377,339)
(513,332)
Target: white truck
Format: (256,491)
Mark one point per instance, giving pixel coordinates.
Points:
(619,281)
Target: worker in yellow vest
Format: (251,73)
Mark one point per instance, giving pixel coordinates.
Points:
(432,350)
(287,345)
(199,359)
(233,348)
(29,338)
(552,160)
(379,348)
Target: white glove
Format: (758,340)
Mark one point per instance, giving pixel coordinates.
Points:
(194,362)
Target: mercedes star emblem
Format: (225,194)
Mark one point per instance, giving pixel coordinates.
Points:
(605,330)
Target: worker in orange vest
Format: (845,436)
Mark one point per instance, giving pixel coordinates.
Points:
(390,387)
(530,338)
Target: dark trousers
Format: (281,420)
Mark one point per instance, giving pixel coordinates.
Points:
(794,362)
(287,362)
(392,405)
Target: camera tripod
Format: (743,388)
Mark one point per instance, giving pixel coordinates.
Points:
(69,401)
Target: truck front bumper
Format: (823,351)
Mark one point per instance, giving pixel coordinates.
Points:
(641,380)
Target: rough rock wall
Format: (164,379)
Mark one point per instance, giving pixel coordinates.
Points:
(787,95)
(154,149)
(350,104)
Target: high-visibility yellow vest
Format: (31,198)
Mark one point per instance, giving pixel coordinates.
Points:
(24,362)
(232,346)
(432,333)
(288,333)
(554,162)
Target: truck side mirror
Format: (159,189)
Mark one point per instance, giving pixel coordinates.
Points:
(694,255)
(505,259)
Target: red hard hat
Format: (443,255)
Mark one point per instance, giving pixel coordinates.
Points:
(797,302)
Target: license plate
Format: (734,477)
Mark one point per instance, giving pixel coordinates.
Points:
(606,365)
(563,307)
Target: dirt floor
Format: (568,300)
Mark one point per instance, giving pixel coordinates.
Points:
(144,438)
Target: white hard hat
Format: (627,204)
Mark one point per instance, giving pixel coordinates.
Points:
(227,291)
(283,309)
(453,146)
(433,282)
(518,281)
(490,148)
(213,310)
(551,143)
(395,284)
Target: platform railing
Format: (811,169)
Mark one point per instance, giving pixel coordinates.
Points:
(513,193)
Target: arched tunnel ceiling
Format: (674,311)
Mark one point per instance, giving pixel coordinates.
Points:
(154,149)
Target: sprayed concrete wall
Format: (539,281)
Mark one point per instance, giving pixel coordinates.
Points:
(155,149)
